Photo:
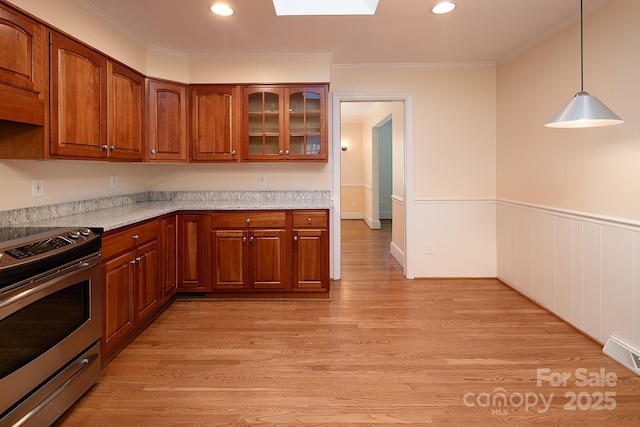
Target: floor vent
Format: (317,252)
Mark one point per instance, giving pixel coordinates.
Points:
(623,353)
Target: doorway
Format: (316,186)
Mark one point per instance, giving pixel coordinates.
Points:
(402,180)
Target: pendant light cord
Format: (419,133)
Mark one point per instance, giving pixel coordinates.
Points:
(581,50)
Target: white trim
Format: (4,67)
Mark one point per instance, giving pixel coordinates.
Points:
(397,253)
(583,216)
(414,65)
(407,100)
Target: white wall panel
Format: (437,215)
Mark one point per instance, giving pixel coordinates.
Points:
(539,257)
(463,233)
(523,253)
(585,269)
(564,268)
(592,284)
(617,283)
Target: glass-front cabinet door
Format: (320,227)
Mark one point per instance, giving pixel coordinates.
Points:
(264,123)
(305,121)
(285,123)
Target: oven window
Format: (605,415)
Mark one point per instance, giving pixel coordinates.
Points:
(34,329)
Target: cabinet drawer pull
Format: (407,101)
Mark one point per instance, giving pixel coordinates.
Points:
(248,220)
(309,220)
(135,237)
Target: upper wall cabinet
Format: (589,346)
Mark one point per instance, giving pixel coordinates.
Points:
(96,107)
(214,123)
(285,123)
(167,120)
(23,68)
(78,107)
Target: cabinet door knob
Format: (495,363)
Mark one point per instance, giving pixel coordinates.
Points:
(153,151)
(133,261)
(251,239)
(233,152)
(295,238)
(244,239)
(286,152)
(112,147)
(309,220)
(135,237)
(105,147)
(138,259)
(280,152)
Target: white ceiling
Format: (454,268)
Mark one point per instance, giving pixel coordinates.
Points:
(401,31)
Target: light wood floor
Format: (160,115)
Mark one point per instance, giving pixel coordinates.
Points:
(384,350)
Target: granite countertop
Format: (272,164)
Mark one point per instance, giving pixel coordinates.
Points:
(111,217)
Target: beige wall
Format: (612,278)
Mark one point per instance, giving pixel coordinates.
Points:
(352,187)
(588,170)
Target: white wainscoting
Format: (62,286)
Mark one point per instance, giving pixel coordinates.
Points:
(462,234)
(584,268)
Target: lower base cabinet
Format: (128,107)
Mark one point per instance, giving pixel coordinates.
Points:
(132,294)
(275,254)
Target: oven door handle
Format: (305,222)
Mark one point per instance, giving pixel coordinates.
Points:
(83,364)
(48,280)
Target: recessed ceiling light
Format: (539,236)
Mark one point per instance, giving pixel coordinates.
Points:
(325,7)
(222,9)
(443,7)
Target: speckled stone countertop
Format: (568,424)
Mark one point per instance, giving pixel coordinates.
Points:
(115,212)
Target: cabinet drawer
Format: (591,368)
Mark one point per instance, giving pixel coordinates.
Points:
(309,219)
(119,241)
(248,219)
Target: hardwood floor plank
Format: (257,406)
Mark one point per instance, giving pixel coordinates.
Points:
(383,351)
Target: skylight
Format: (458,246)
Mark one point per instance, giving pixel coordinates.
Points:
(325,7)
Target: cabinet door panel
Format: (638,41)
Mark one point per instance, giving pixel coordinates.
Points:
(230,259)
(214,123)
(118,310)
(78,79)
(126,106)
(146,269)
(310,259)
(306,123)
(167,121)
(268,259)
(169,273)
(191,273)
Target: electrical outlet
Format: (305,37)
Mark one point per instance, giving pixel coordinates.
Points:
(353,204)
(37,188)
(262,180)
(429,248)
(114,181)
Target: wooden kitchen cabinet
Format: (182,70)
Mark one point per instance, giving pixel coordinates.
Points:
(191,253)
(167,121)
(169,227)
(23,68)
(214,123)
(131,283)
(310,250)
(78,105)
(125,118)
(97,106)
(285,123)
(249,250)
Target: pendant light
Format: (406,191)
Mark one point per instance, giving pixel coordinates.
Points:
(583,110)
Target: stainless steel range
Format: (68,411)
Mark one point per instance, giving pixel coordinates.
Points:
(50,321)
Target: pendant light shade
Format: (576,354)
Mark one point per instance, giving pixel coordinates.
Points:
(583,110)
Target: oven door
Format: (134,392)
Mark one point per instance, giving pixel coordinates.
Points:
(46,323)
